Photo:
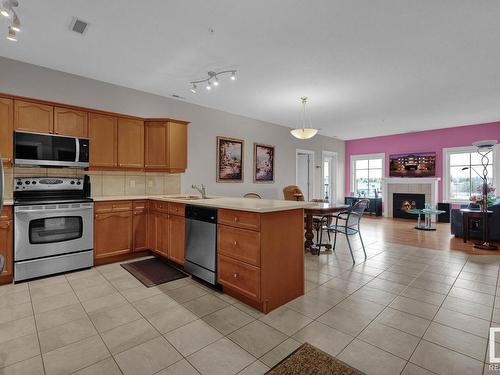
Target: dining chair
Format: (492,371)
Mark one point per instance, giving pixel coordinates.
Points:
(252,195)
(347,223)
(292,193)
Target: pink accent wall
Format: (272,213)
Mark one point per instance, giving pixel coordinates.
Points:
(424,141)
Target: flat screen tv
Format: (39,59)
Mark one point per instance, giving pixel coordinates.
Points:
(419,164)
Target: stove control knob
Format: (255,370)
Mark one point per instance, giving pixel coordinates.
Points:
(19,182)
(33,182)
(27,182)
(72,182)
(79,183)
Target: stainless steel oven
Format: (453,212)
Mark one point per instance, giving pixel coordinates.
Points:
(53,227)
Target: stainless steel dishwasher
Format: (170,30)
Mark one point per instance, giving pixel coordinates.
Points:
(201,243)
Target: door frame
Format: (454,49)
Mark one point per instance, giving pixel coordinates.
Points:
(333,176)
(311,163)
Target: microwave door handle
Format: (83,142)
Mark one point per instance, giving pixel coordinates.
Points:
(77,148)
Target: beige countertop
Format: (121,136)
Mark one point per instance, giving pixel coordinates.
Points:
(240,204)
(8,202)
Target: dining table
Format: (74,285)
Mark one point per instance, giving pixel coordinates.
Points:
(317,210)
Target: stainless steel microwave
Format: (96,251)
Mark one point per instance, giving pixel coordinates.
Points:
(47,150)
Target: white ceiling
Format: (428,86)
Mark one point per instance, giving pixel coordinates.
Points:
(369,67)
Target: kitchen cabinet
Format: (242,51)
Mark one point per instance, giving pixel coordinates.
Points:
(130,143)
(166,146)
(260,256)
(176,147)
(33,117)
(155,145)
(70,122)
(176,238)
(140,226)
(103,144)
(112,228)
(6,130)
(6,248)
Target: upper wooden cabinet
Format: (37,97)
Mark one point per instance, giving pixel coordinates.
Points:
(156,145)
(130,143)
(176,147)
(103,136)
(70,122)
(33,117)
(6,130)
(166,146)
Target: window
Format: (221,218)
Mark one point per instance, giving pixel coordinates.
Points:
(460,184)
(367,173)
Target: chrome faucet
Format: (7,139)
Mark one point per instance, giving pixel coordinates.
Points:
(202,190)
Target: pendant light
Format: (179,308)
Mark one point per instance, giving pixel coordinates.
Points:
(306,131)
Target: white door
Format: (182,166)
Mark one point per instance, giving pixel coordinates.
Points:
(329,173)
(305,174)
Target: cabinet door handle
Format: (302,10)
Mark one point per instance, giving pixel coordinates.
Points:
(235,243)
(235,275)
(236,219)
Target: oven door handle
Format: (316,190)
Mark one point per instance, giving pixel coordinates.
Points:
(54,210)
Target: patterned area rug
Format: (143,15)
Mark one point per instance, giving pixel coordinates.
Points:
(309,360)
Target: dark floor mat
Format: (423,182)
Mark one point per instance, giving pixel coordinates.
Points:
(153,271)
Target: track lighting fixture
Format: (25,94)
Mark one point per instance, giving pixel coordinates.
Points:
(7,10)
(212,80)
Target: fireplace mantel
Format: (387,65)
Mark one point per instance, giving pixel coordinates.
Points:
(426,185)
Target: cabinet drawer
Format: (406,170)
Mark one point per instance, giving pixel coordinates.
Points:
(240,219)
(140,205)
(159,206)
(112,206)
(240,244)
(176,209)
(240,277)
(6,213)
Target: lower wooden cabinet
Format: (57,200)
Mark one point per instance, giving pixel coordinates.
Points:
(6,233)
(112,234)
(176,238)
(140,226)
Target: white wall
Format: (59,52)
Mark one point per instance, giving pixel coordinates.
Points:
(206,124)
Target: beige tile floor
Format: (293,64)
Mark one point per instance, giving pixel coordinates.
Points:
(405,310)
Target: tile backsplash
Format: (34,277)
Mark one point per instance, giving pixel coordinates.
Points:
(106,183)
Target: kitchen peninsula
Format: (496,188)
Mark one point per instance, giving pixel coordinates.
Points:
(260,257)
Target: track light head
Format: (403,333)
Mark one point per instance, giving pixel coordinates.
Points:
(233,75)
(193,89)
(4,12)
(209,85)
(216,81)
(16,24)
(11,35)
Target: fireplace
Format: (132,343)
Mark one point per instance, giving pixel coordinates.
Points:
(402,202)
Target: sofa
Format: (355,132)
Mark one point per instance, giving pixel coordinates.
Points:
(476,228)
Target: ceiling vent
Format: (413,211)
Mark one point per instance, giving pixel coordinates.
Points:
(79,26)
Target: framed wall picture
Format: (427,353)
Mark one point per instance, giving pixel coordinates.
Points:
(263,163)
(229,159)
